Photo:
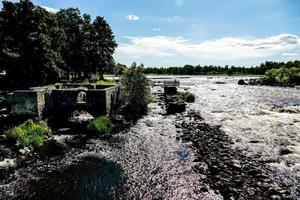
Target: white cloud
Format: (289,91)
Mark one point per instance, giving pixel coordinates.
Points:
(132,17)
(289,54)
(156,29)
(49,9)
(229,48)
(174,18)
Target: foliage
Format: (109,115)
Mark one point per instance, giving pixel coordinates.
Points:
(106,82)
(135,87)
(30,44)
(282,76)
(38,47)
(219,70)
(30,133)
(186,96)
(101,125)
(120,69)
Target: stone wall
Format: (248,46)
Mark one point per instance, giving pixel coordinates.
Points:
(26,103)
(47,102)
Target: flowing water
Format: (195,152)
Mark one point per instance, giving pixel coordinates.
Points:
(265,121)
(150,162)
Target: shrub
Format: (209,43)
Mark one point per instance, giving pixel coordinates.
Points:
(186,96)
(101,125)
(282,76)
(29,133)
(135,89)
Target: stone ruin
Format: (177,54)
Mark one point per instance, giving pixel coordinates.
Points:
(59,100)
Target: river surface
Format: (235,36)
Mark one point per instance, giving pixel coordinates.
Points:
(262,120)
(149,161)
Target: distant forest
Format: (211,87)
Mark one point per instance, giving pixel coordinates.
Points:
(218,70)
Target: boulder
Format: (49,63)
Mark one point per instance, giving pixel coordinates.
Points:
(79,118)
(176,107)
(242,82)
(54,146)
(170,90)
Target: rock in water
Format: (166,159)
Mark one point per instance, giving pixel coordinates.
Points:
(79,118)
(242,82)
(176,107)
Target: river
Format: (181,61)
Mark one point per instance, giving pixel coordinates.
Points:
(149,161)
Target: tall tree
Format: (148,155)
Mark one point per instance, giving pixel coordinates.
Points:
(103,46)
(71,22)
(30,44)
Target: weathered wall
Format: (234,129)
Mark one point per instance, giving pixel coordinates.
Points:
(24,103)
(45,102)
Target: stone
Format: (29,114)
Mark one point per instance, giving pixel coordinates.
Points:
(24,151)
(236,164)
(242,82)
(8,163)
(54,146)
(219,83)
(82,117)
(176,107)
(204,189)
(284,151)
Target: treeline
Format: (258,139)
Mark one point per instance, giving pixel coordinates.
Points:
(38,47)
(218,70)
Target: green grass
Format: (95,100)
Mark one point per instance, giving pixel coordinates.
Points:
(101,125)
(106,82)
(29,133)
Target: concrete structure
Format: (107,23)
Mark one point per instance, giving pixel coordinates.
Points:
(62,99)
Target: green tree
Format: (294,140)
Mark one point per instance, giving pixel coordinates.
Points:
(103,46)
(135,89)
(71,22)
(30,45)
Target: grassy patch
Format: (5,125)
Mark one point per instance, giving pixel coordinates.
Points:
(106,82)
(186,96)
(29,133)
(101,125)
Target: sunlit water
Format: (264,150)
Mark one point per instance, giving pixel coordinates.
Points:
(150,163)
(252,116)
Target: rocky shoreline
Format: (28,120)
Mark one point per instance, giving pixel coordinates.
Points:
(225,169)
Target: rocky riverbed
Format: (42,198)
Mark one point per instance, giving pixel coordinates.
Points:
(197,154)
(226,169)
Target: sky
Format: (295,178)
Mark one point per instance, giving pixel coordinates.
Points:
(177,32)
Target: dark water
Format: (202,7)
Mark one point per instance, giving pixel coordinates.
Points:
(91,178)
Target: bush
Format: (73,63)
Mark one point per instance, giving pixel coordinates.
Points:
(282,76)
(101,125)
(29,133)
(186,96)
(135,89)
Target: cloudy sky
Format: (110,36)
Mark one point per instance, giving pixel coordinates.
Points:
(177,32)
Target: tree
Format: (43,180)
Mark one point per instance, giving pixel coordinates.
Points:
(71,22)
(103,46)
(30,45)
(135,90)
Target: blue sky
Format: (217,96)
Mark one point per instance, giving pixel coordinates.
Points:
(177,32)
